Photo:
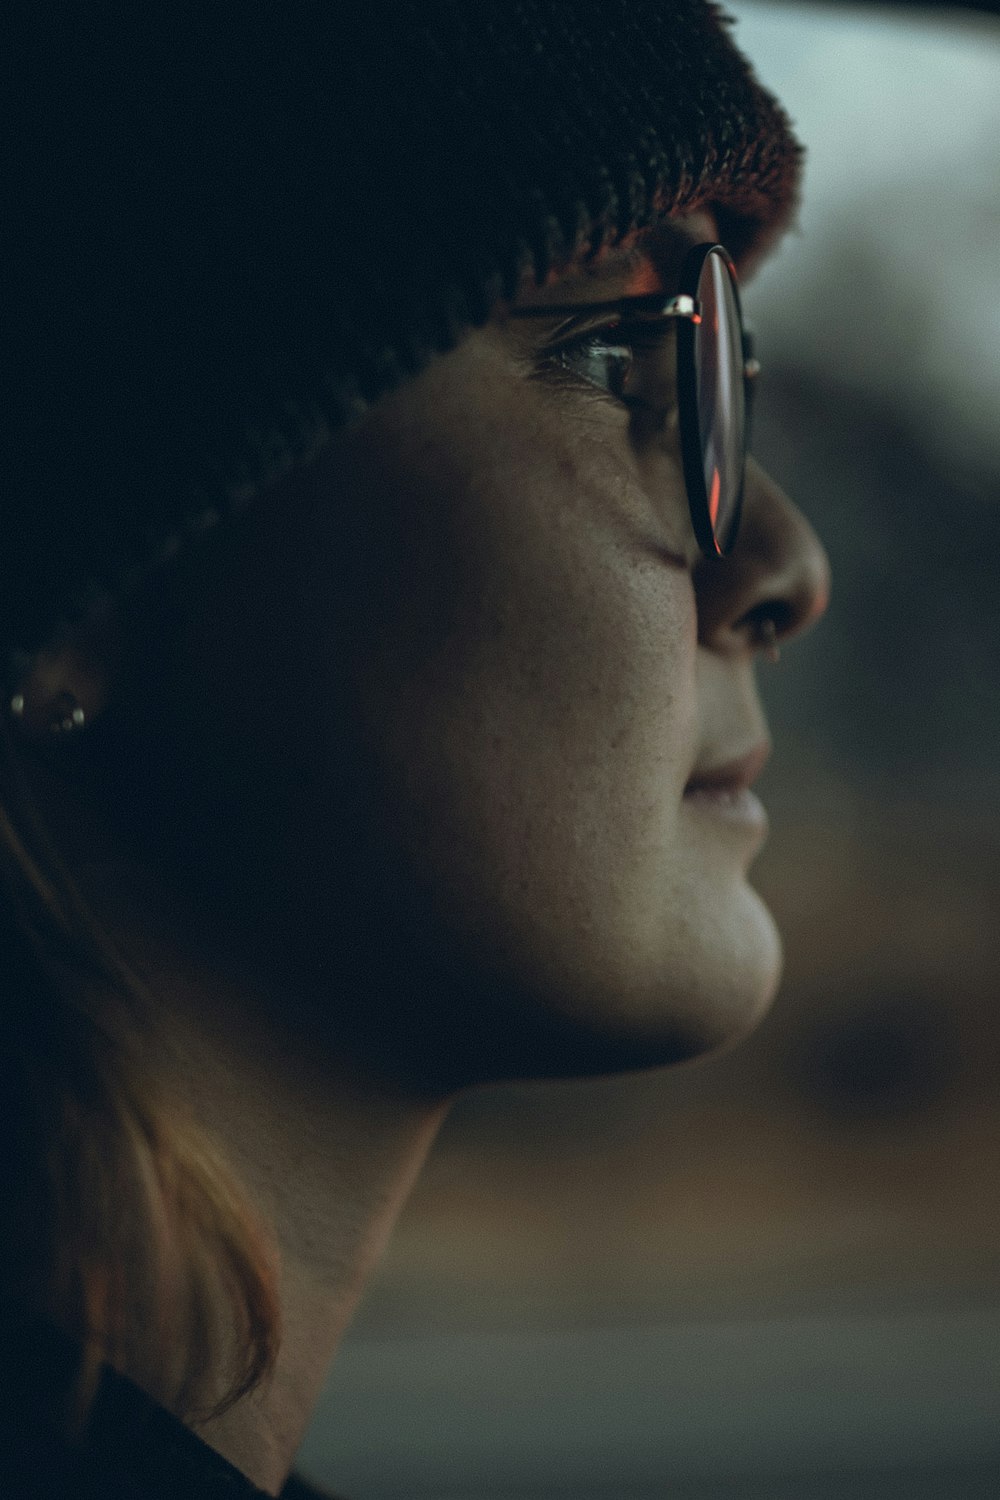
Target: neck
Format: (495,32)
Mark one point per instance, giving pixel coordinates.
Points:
(325,1153)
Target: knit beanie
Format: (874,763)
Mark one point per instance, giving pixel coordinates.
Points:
(235,226)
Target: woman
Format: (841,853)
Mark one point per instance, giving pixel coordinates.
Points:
(382,622)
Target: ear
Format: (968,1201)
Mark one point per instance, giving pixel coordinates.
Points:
(69,682)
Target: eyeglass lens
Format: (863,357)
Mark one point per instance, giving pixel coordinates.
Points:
(719,381)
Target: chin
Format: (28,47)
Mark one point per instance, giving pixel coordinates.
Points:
(742,978)
(706,989)
(634,1011)
(441,1011)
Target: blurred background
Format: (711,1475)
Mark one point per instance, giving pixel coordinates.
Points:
(778,1274)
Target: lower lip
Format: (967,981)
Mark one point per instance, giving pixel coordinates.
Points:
(737,805)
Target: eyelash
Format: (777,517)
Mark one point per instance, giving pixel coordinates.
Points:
(624,340)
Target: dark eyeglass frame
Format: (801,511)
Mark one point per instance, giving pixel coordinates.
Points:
(686,308)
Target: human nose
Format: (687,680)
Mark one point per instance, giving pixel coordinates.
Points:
(778,571)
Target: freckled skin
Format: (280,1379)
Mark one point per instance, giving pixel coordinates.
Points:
(439,700)
(536,702)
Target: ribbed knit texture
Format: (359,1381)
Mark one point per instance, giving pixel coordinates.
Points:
(237,225)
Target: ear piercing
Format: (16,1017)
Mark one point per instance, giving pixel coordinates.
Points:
(67,715)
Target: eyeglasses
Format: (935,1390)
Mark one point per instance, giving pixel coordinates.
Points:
(715,374)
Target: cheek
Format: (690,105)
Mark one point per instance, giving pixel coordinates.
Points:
(531,702)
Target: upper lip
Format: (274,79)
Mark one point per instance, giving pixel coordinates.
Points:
(736,774)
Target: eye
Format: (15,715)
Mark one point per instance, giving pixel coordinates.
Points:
(599,358)
(616,359)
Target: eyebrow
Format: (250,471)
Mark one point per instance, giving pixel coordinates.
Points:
(620,265)
(623,273)
(647,268)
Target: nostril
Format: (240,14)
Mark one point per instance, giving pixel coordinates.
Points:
(773,586)
(758,622)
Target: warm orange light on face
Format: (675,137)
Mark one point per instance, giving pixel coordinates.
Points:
(642,280)
(713,498)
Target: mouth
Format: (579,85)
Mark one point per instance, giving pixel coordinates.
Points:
(722,790)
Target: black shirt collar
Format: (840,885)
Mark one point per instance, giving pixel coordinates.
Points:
(132,1449)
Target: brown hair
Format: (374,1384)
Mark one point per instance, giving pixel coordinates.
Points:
(123,1213)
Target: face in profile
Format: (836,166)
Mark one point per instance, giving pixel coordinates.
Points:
(469,721)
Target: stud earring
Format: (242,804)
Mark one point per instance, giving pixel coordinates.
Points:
(66,716)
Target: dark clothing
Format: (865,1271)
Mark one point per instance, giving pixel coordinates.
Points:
(133,1448)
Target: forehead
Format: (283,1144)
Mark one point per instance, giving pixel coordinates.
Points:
(647,261)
